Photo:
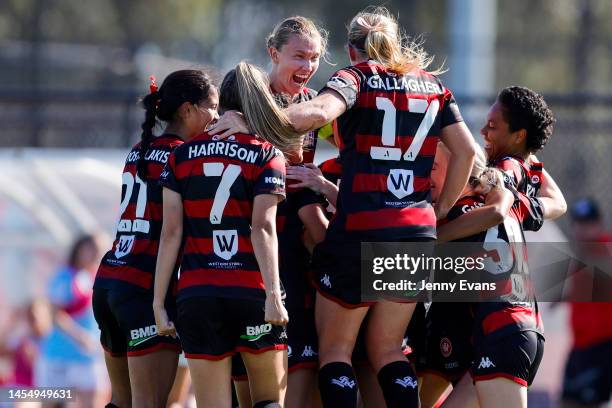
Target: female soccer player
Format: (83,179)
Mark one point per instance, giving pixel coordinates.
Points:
(518,125)
(220,199)
(507,335)
(123,290)
(390,113)
(448,349)
(295,47)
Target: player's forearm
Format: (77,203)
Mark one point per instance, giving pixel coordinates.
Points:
(330,191)
(169,246)
(471,223)
(552,207)
(458,172)
(306,116)
(265,246)
(552,198)
(314,221)
(497,206)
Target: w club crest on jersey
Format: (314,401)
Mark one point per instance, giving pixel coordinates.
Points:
(400,182)
(124,246)
(225,243)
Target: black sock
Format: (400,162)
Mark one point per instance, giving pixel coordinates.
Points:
(399,385)
(338,385)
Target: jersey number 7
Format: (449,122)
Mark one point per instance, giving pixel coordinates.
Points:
(225,242)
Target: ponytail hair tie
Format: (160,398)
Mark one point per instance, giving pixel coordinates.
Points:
(153,85)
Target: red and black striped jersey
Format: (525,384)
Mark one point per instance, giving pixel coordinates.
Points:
(388,139)
(524,178)
(218,181)
(310,138)
(131,262)
(506,261)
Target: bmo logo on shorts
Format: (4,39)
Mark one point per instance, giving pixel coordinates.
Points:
(225,243)
(254,333)
(400,182)
(142,335)
(124,246)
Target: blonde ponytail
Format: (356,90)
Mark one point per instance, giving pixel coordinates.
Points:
(375,33)
(247,89)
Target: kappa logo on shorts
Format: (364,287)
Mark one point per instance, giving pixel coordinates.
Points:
(486,362)
(406,382)
(142,334)
(124,246)
(225,243)
(254,333)
(309,352)
(325,280)
(343,382)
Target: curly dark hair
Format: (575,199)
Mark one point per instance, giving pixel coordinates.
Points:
(526,109)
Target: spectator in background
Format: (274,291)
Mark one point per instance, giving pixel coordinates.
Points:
(69,355)
(22,345)
(588,371)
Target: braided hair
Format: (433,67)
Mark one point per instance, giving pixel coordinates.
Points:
(187,85)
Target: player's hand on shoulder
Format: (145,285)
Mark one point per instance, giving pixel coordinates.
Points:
(230,123)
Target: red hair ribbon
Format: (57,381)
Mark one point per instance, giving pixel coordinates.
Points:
(153,84)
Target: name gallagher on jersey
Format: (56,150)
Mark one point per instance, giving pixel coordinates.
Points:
(402,84)
(222,148)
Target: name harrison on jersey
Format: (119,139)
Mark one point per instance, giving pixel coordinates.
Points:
(228,149)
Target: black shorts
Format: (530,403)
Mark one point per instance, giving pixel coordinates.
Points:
(588,375)
(336,273)
(515,357)
(127,324)
(448,331)
(214,328)
(302,345)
